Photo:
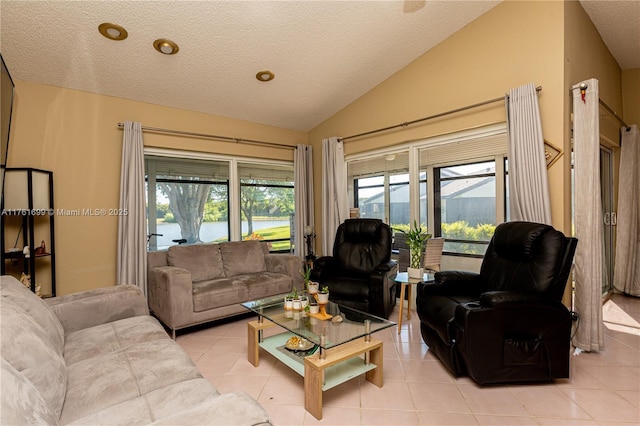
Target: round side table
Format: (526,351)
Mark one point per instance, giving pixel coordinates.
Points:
(405,282)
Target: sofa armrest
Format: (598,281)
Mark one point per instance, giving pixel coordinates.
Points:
(287,264)
(171,295)
(94,307)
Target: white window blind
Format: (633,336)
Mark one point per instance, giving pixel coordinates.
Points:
(465,151)
(187,168)
(272,172)
(396,162)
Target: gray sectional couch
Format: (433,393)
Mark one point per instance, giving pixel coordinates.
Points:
(199,283)
(98,357)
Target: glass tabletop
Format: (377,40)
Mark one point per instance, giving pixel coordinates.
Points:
(300,323)
(403,277)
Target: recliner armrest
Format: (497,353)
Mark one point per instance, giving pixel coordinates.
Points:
(383,268)
(448,277)
(323,267)
(451,283)
(505,298)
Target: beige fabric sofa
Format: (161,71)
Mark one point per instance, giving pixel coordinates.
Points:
(98,357)
(193,284)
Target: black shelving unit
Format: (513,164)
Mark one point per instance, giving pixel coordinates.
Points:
(27,204)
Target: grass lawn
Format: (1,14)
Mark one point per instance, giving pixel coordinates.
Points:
(273,234)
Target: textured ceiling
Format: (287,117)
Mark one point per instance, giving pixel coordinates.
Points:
(325,54)
(618,23)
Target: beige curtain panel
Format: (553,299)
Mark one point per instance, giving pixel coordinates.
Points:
(132,229)
(626,278)
(528,182)
(589,264)
(303,194)
(335,206)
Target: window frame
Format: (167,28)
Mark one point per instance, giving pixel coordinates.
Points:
(420,174)
(233,183)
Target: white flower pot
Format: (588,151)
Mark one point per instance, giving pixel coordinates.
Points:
(288,303)
(314,309)
(304,301)
(313,287)
(323,297)
(415,273)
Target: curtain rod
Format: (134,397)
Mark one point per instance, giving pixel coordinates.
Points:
(616,116)
(408,123)
(584,86)
(214,137)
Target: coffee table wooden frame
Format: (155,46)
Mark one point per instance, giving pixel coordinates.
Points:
(316,364)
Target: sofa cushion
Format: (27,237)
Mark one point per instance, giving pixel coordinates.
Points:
(235,408)
(36,308)
(97,383)
(21,403)
(242,257)
(203,261)
(265,284)
(27,346)
(111,337)
(216,293)
(155,405)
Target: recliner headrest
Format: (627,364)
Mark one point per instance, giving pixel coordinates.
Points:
(361,230)
(519,240)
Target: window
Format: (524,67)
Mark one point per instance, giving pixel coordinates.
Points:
(192,201)
(267,203)
(468,190)
(465,210)
(380,187)
(461,180)
(186,200)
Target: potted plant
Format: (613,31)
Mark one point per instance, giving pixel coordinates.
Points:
(311,286)
(417,239)
(323,296)
(313,307)
(296,304)
(288,301)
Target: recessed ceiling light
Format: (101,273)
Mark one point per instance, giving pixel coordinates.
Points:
(112,31)
(166,47)
(265,76)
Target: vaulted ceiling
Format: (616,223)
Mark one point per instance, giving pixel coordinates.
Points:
(324,54)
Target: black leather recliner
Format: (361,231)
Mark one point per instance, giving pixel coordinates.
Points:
(360,273)
(506,323)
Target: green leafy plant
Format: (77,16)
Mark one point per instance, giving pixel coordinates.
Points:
(324,289)
(306,274)
(417,238)
(294,293)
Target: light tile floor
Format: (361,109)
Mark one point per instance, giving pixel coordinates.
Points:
(604,388)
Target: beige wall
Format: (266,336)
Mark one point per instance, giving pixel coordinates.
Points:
(513,44)
(631,96)
(588,57)
(75,135)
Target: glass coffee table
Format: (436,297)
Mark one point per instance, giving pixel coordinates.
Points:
(328,352)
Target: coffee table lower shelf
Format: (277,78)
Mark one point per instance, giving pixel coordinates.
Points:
(338,365)
(333,376)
